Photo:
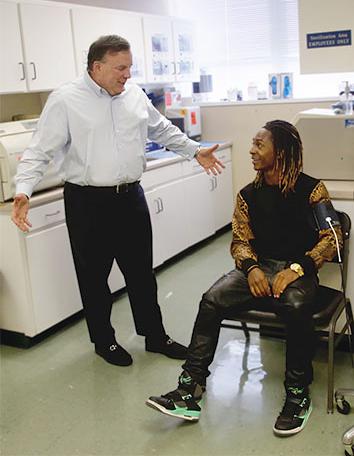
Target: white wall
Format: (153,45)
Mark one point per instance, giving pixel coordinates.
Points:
(317,16)
(240,122)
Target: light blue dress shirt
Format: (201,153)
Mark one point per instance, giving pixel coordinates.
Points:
(101,138)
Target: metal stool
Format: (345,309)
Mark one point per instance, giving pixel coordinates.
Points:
(343,407)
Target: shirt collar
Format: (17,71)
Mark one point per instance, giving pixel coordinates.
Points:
(99,91)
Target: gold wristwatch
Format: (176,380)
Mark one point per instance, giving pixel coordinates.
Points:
(296,267)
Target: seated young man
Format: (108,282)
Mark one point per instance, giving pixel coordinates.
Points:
(277,253)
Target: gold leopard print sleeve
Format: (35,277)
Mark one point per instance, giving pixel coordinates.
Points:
(241,233)
(325,249)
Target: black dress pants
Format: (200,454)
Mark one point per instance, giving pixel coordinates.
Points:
(105,225)
(231,293)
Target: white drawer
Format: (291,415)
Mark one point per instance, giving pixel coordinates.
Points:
(193,167)
(159,176)
(224,155)
(47,214)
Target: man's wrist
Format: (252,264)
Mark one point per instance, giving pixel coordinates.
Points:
(247,264)
(254,266)
(22,194)
(197,151)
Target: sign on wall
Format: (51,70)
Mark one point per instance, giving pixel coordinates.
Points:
(326,36)
(329,39)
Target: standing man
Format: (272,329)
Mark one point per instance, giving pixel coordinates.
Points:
(102,127)
(277,254)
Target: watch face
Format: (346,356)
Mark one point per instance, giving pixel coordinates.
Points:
(297,268)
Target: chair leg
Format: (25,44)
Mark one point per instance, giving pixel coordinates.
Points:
(245,330)
(350,321)
(330,376)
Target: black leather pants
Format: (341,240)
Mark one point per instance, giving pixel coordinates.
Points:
(231,293)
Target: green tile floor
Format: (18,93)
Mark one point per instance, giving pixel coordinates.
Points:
(59,399)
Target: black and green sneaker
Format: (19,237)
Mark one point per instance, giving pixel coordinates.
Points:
(184,402)
(295,413)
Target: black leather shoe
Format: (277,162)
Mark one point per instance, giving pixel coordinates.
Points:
(114,354)
(166,347)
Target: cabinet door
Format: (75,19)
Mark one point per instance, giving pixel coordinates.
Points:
(223,197)
(12,74)
(199,207)
(48,45)
(159,253)
(160,64)
(55,292)
(169,223)
(91,23)
(184,51)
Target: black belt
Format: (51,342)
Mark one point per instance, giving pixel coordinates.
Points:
(121,188)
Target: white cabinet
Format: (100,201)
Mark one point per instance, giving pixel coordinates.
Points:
(55,293)
(48,45)
(222,197)
(38,285)
(186,205)
(184,51)
(198,208)
(91,23)
(167,210)
(169,50)
(12,74)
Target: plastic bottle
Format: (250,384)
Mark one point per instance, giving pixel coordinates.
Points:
(348,100)
(252,91)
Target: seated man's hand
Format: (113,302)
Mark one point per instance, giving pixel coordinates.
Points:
(282,280)
(258,283)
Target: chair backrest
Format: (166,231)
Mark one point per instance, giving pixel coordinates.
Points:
(346,224)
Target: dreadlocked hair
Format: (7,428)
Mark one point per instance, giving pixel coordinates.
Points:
(288,154)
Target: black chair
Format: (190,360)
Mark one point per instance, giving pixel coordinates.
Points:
(332,305)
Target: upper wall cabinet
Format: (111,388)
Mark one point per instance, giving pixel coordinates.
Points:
(12,74)
(48,46)
(160,63)
(186,68)
(169,50)
(91,23)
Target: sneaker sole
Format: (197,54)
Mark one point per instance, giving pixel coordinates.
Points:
(296,430)
(165,411)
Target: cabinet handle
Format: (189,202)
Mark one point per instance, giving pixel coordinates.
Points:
(23,71)
(216,182)
(162,208)
(53,213)
(34,71)
(212,184)
(174,67)
(157,206)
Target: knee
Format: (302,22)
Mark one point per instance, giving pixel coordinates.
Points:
(296,301)
(214,296)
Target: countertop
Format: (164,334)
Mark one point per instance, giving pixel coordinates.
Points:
(340,190)
(156,159)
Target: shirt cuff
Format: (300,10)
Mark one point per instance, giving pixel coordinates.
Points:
(247,263)
(188,151)
(24,188)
